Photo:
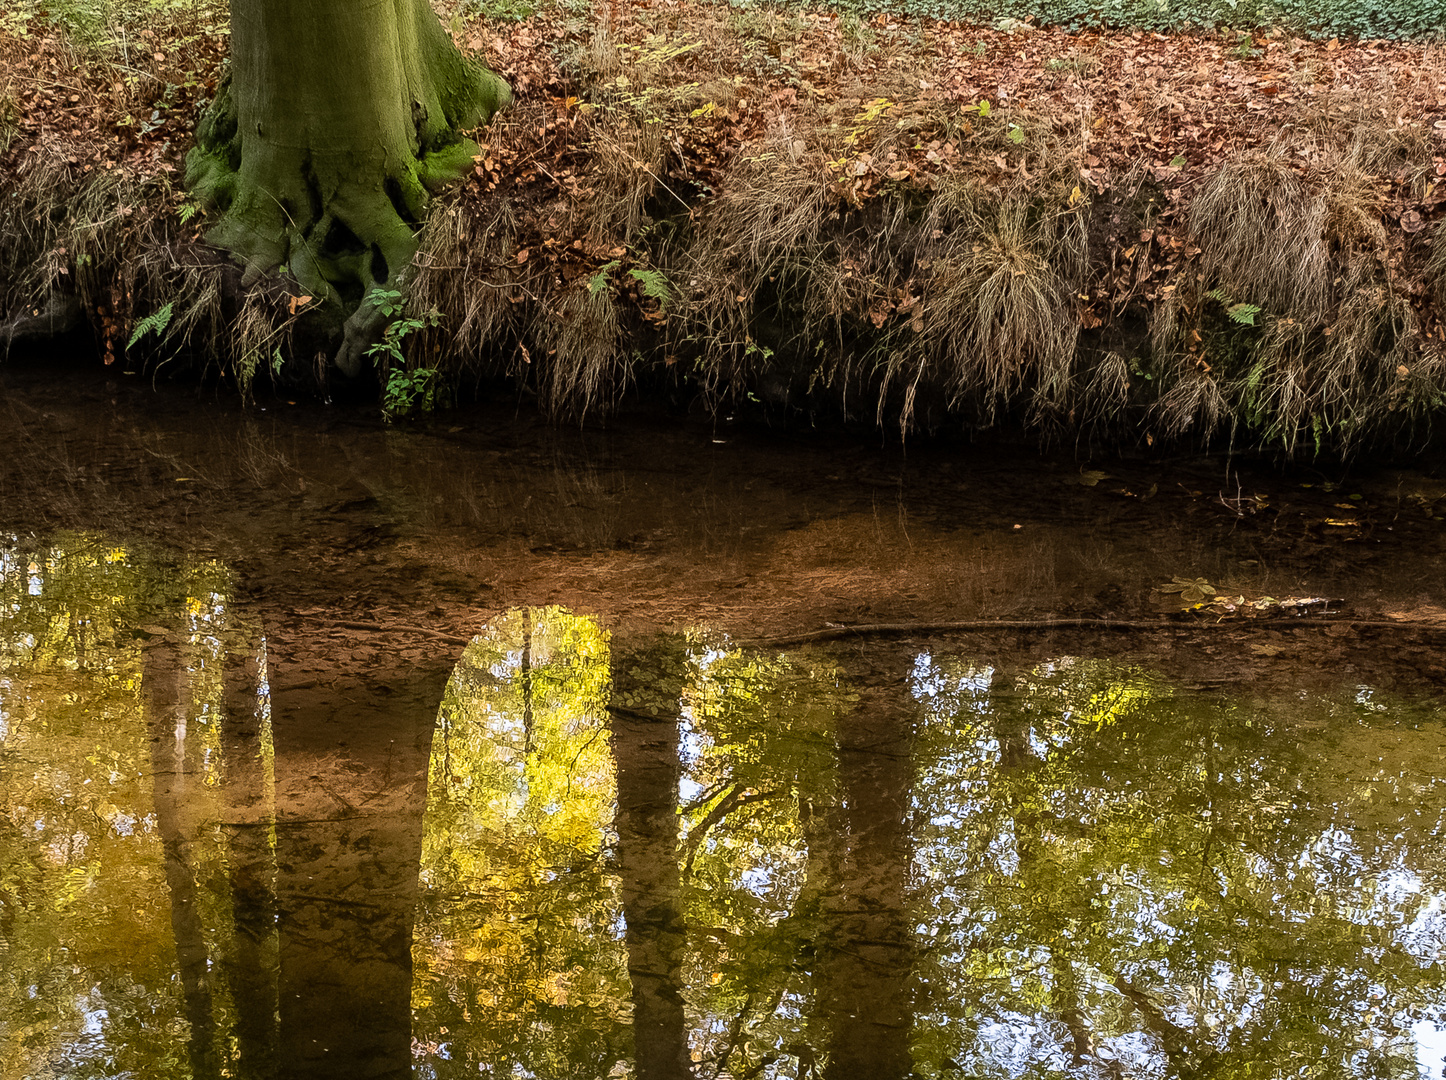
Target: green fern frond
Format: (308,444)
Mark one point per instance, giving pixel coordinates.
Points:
(154,323)
(654,285)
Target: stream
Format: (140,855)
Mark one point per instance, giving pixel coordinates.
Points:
(684,751)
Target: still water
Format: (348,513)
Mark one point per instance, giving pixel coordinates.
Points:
(329,749)
(685,856)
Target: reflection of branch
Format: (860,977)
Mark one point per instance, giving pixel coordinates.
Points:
(735,799)
(705,798)
(384,629)
(1082,1043)
(335,901)
(1171,1036)
(737,1030)
(831,632)
(595,733)
(646,718)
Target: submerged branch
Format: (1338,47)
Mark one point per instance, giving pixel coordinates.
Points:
(831,633)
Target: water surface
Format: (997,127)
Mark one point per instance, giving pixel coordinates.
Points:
(328,749)
(679,856)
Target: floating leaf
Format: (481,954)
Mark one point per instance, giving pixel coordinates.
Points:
(1191,590)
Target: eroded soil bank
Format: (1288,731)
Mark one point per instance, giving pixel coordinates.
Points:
(913,223)
(494,746)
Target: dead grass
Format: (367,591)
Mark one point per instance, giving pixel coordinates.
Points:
(9,117)
(585,367)
(1436,264)
(1295,326)
(1260,235)
(467,271)
(1000,302)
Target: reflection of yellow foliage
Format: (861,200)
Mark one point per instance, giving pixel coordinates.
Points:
(520,800)
(1097,693)
(89,860)
(759,760)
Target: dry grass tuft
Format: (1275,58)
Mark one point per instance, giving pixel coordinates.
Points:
(629,157)
(584,366)
(1259,232)
(1436,264)
(1000,305)
(1293,314)
(9,118)
(467,271)
(761,247)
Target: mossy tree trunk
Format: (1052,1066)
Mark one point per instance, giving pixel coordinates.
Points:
(338,120)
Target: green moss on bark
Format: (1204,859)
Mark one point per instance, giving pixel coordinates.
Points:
(322,149)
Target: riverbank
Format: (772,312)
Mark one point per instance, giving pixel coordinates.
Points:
(1122,237)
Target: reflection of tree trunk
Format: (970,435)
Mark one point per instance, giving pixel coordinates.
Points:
(167,691)
(1067,1004)
(351,772)
(864,975)
(525,674)
(250,964)
(645,745)
(1017,781)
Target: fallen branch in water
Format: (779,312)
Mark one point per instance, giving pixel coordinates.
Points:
(381,628)
(974,625)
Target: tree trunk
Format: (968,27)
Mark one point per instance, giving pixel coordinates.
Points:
(249,794)
(320,150)
(348,853)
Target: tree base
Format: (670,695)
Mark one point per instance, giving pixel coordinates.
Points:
(324,170)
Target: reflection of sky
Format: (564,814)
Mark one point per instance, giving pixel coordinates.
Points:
(1430,1049)
(928,681)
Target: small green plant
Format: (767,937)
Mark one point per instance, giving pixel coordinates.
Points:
(388,302)
(407,390)
(653,285)
(1075,63)
(1245,48)
(599,281)
(154,323)
(1244,314)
